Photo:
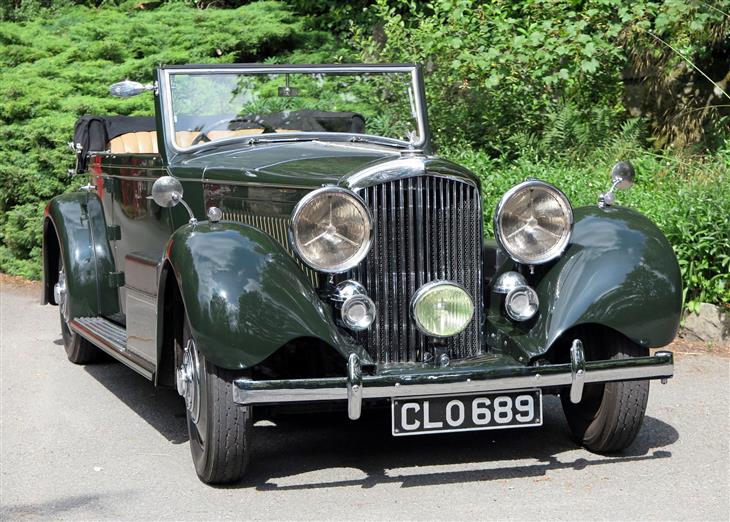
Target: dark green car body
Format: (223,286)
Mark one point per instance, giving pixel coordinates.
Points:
(254,306)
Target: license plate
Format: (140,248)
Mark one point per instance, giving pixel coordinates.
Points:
(485,411)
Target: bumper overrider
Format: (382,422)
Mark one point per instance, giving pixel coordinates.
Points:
(446,381)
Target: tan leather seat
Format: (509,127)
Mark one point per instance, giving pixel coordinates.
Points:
(185,138)
(146,142)
(135,143)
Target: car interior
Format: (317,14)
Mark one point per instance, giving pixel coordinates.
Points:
(138,134)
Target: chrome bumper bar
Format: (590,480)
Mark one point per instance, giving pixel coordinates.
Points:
(356,386)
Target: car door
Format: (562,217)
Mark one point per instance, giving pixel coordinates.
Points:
(142,230)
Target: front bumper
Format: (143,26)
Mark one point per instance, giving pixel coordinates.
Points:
(442,381)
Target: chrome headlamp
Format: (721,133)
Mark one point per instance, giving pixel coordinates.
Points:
(331,229)
(533,222)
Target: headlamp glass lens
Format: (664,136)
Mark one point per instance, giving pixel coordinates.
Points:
(534,223)
(331,231)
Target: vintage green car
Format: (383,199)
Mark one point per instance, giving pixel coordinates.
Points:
(284,235)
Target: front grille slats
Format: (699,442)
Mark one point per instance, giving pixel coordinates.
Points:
(426,228)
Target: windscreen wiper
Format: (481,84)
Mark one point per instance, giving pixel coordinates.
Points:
(376,141)
(254,141)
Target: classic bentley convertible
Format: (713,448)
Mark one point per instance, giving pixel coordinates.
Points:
(284,236)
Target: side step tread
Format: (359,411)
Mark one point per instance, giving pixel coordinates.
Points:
(111,338)
(111,332)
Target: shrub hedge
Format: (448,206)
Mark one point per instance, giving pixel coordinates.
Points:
(59,66)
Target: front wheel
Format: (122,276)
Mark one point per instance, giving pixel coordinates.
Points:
(219,429)
(609,416)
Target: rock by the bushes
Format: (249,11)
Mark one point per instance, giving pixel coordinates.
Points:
(709,324)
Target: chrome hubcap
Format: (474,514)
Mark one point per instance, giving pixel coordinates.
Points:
(188,379)
(59,294)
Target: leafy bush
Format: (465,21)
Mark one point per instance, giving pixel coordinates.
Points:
(56,68)
(501,71)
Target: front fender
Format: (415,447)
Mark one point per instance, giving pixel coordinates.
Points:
(77,221)
(619,271)
(244,295)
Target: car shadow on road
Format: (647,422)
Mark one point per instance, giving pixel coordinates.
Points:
(284,456)
(161,408)
(289,452)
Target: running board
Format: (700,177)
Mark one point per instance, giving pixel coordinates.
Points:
(111,338)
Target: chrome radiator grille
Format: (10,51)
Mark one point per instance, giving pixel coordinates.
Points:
(426,228)
(276,227)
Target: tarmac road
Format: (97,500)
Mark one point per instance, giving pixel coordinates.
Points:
(100,442)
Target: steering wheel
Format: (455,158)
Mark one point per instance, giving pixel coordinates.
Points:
(203,133)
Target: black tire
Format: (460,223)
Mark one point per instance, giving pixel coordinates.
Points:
(219,429)
(78,349)
(609,416)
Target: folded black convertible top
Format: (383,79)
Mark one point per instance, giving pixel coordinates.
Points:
(93,133)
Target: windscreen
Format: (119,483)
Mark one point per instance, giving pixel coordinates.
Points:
(216,105)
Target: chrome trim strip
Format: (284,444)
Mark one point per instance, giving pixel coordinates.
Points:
(129,178)
(301,69)
(128,167)
(397,169)
(198,180)
(251,184)
(450,381)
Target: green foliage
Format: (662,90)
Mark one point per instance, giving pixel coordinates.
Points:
(687,197)
(536,88)
(59,67)
(505,70)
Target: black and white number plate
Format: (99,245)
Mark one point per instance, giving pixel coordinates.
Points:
(486,411)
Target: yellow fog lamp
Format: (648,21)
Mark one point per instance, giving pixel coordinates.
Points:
(442,309)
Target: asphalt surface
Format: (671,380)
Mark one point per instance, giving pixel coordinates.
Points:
(100,442)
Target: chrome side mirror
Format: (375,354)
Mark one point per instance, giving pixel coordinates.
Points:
(623,177)
(167,192)
(128,88)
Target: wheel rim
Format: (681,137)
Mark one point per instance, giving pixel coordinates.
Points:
(188,379)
